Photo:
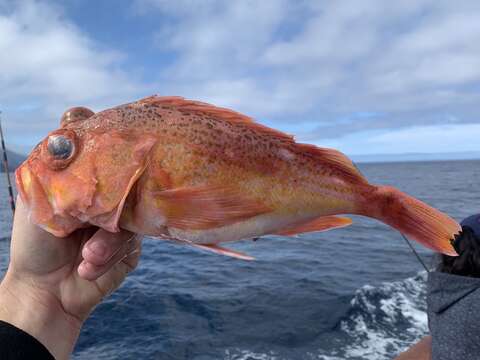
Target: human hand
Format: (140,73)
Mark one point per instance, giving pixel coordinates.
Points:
(419,351)
(52,284)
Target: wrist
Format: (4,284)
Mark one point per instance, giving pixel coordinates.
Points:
(39,313)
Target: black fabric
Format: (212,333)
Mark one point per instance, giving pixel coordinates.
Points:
(16,344)
(454,316)
(473,222)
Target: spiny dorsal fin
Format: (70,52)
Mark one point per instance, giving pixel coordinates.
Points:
(214,111)
(194,106)
(337,161)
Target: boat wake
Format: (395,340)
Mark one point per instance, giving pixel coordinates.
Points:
(380,323)
(385,320)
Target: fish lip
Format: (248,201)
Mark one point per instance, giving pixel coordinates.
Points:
(19,184)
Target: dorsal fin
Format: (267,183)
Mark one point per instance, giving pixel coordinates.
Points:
(337,161)
(194,106)
(214,111)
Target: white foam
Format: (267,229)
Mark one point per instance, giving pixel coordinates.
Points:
(249,355)
(373,330)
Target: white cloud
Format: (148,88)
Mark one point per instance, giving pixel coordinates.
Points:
(417,139)
(48,64)
(218,45)
(309,67)
(440,51)
(321,60)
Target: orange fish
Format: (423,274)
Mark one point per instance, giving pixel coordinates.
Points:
(202,175)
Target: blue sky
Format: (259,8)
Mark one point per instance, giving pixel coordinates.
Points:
(365,77)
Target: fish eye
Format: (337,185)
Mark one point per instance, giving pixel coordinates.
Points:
(60,147)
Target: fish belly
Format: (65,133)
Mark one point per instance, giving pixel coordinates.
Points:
(254,227)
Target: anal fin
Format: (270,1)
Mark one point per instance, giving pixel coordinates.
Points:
(322,223)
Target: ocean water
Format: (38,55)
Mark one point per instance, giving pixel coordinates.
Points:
(353,293)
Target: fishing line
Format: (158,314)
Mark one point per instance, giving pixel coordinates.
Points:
(415,253)
(5,167)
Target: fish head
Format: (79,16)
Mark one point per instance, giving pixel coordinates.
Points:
(80,176)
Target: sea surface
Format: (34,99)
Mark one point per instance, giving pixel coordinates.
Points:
(353,293)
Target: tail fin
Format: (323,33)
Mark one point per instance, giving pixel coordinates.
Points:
(413,218)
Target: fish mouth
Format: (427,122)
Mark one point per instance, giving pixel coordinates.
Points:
(33,196)
(23,175)
(46,210)
(40,210)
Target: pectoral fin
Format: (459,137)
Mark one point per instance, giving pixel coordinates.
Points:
(206,207)
(319,224)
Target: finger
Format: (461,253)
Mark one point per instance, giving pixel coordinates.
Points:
(35,250)
(103,246)
(112,279)
(130,261)
(91,271)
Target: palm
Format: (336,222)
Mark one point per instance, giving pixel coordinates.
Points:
(52,264)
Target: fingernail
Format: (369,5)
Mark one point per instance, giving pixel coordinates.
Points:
(98,248)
